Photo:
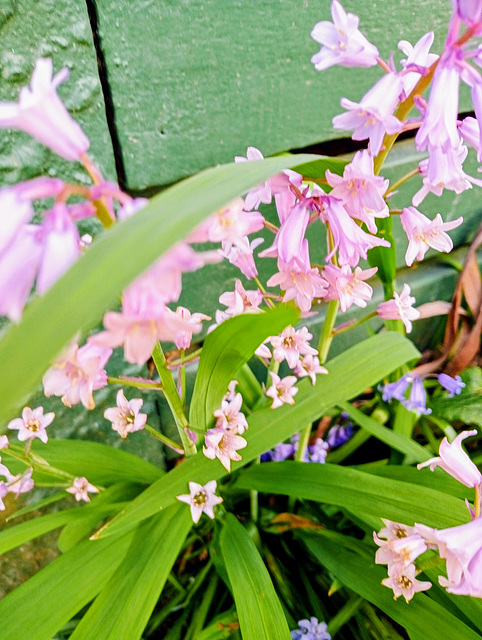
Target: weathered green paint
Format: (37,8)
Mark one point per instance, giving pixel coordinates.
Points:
(195,82)
(60,29)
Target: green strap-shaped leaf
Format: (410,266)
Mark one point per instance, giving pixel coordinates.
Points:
(395,440)
(122,609)
(225,351)
(349,375)
(353,489)
(260,613)
(77,301)
(38,608)
(423,616)
(99,463)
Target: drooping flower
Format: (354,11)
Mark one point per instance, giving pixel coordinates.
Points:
(41,113)
(360,190)
(400,308)
(372,117)
(230,417)
(280,452)
(424,233)
(309,366)
(300,283)
(404,583)
(282,390)
(201,499)
(240,300)
(418,397)
(77,373)
(418,58)
(291,344)
(348,287)
(318,451)
(339,434)
(455,461)
(469,11)
(190,323)
(223,444)
(395,390)
(240,254)
(21,483)
(453,385)
(32,424)
(81,488)
(311,630)
(126,417)
(342,42)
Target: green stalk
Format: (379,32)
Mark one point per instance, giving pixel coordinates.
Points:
(337,332)
(326,336)
(164,439)
(137,384)
(173,399)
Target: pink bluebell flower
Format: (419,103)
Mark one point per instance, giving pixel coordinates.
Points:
(309,366)
(290,344)
(404,583)
(418,58)
(201,499)
(282,390)
(126,417)
(21,483)
(32,424)
(342,43)
(424,233)
(81,488)
(224,445)
(348,287)
(455,461)
(400,308)
(41,113)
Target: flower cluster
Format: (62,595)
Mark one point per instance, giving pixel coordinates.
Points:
(417,400)
(311,630)
(460,546)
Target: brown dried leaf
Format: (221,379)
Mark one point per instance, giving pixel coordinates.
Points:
(288,521)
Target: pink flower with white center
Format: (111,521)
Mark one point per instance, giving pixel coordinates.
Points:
(41,114)
(439,126)
(291,344)
(19,266)
(189,323)
(444,170)
(360,190)
(21,483)
(400,308)
(230,417)
(223,445)
(398,553)
(231,223)
(201,499)
(348,287)
(309,366)
(351,242)
(455,461)
(342,42)
(301,284)
(81,488)
(240,254)
(77,373)
(419,56)
(424,233)
(3,493)
(126,417)
(240,300)
(372,117)
(282,390)
(462,548)
(404,583)
(32,424)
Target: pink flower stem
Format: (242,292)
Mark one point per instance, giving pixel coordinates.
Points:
(271,227)
(395,185)
(137,384)
(343,328)
(173,399)
(164,439)
(103,213)
(383,65)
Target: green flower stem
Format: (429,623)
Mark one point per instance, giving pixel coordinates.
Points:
(137,384)
(173,399)
(343,329)
(269,302)
(326,336)
(400,181)
(185,358)
(303,443)
(164,439)
(38,463)
(182,379)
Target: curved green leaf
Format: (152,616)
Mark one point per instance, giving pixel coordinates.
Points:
(225,351)
(76,302)
(260,613)
(350,374)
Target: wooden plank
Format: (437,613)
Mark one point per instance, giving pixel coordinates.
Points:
(59,29)
(195,82)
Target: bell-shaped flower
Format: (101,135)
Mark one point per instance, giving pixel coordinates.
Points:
(126,417)
(81,488)
(15,212)
(224,445)
(424,233)
(400,308)
(32,424)
(469,11)
(342,42)
(282,390)
(299,281)
(291,344)
(201,499)
(372,117)
(404,583)
(240,300)
(453,385)
(418,57)
(347,286)
(455,461)
(240,254)
(40,113)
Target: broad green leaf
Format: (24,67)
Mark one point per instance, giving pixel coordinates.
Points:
(353,489)
(39,607)
(225,351)
(122,609)
(395,440)
(77,301)
(350,374)
(99,463)
(436,479)
(422,617)
(259,610)
(467,408)
(317,168)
